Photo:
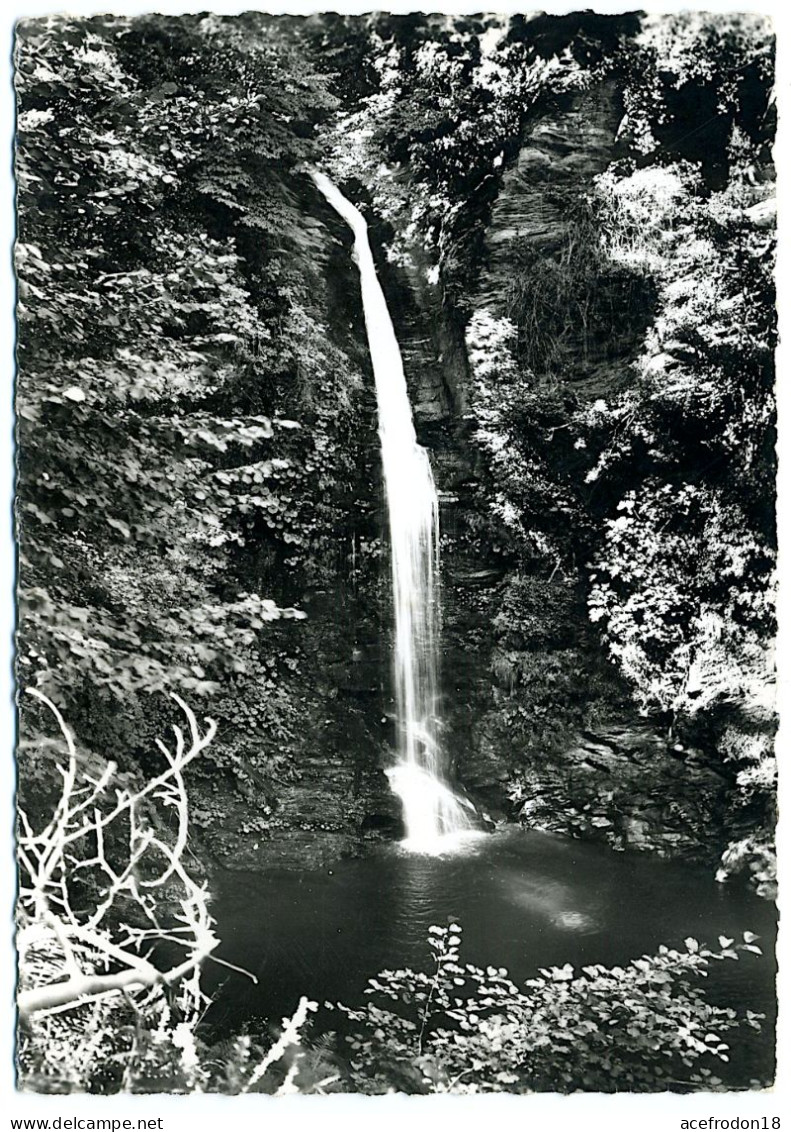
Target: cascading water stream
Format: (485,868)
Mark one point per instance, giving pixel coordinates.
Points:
(431,810)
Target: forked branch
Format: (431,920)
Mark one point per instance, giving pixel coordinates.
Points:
(111,835)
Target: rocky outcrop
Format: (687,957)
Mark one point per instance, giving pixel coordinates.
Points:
(544,731)
(629,787)
(337,807)
(431,340)
(565,146)
(583,317)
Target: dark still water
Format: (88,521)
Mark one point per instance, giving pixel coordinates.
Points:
(524,900)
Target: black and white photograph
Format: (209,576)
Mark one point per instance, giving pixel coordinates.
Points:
(395,515)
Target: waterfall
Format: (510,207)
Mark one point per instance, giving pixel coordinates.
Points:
(431,809)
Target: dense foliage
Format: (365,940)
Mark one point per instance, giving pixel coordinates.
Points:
(682,581)
(643,1027)
(172,327)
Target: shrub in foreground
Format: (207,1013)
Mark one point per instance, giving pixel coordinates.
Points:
(642,1027)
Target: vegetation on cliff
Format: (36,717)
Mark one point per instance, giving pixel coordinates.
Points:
(174,342)
(179,335)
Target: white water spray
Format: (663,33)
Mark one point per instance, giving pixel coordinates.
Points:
(431,809)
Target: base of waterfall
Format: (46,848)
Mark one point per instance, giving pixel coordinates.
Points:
(446,844)
(438,821)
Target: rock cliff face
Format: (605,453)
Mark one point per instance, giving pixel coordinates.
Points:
(626,786)
(431,341)
(542,221)
(603,773)
(564,148)
(536,214)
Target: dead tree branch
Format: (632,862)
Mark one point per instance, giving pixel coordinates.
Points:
(91,953)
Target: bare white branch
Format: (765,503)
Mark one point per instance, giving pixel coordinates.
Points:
(86,960)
